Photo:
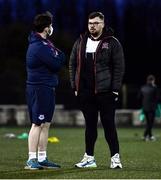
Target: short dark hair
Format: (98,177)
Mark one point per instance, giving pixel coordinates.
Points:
(96,14)
(42,21)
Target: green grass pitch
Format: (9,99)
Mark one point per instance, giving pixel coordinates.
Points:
(141,160)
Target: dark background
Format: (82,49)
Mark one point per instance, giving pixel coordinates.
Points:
(137,24)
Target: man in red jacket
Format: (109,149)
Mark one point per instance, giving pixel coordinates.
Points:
(96,70)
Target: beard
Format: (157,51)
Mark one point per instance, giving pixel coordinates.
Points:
(94,34)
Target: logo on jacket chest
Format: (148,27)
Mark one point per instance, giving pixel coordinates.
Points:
(105,45)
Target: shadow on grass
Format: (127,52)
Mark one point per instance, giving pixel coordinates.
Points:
(65,173)
(47,172)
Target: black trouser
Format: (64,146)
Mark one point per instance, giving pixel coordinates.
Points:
(90,106)
(150,115)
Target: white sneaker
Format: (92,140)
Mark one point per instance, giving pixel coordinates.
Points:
(115,161)
(87,161)
(152,138)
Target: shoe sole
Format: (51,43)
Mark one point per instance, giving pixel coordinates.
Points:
(85,166)
(29,168)
(46,167)
(116,167)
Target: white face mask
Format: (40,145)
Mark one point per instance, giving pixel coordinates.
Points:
(50,32)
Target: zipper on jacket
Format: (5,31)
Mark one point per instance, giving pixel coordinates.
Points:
(95,64)
(95,60)
(79,65)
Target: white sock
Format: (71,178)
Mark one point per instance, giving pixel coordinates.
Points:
(41,156)
(32,155)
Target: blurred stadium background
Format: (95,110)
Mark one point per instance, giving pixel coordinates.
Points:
(137,24)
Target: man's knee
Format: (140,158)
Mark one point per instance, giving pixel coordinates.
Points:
(45,125)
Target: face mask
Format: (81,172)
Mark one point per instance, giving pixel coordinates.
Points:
(50,32)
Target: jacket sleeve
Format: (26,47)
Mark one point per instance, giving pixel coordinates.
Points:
(73,65)
(54,59)
(118,65)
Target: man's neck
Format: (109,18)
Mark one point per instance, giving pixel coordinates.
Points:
(43,35)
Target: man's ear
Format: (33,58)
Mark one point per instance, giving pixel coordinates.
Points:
(103,24)
(46,29)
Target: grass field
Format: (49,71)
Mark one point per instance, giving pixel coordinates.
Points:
(141,160)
